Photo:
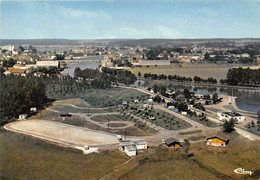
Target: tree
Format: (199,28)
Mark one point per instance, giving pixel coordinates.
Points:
(215,97)
(206,56)
(21,48)
(187,94)
(186,147)
(229,125)
(139,74)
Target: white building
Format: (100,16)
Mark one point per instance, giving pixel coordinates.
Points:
(171,107)
(48,63)
(33,109)
(184,113)
(7,47)
(141,145)
(245,55)
(130,150)
(22,116)
(229,115)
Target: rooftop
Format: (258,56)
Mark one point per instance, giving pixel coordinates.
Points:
(219,135)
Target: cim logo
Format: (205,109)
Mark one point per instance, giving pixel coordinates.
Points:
(242,171)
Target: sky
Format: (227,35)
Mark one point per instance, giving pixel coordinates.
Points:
(138,19)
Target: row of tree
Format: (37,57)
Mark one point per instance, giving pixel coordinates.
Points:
(178,78)
(242,77)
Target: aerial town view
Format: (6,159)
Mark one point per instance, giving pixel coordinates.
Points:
(129,89)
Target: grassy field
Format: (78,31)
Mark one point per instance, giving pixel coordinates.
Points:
(106,118)
(204,122)
(103,98)
(217,71)
(163,119)
(206,162)
(76,101)
(112,97)
(117,124)
(23,157)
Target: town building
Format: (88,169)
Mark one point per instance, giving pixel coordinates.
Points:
(14,71)
(48,63)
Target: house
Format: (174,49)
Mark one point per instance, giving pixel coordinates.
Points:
(171,107)
(14,71)
(130,150)
(33,109)
(141,145)
(22,116)
(184,113)
(20,66)
(128,147)
(65,115)
(245,55)
(230,115)
(124,103)
(171,142)
(152,117)
(136,101)
(150,100)
(190,106)
(218,139)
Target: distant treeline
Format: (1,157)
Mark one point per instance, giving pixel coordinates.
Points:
(178,78)
(18,94)
(242,77)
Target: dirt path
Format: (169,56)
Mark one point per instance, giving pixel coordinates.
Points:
(104,124)
(72,105)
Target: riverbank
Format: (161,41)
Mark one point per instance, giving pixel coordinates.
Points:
(217,85)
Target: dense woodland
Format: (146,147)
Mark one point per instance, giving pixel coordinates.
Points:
(18,94)
(106,75)
(242,77)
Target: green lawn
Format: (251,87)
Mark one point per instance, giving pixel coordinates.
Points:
(23,157)
(112,97)
(106,118)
